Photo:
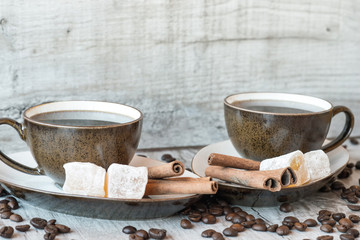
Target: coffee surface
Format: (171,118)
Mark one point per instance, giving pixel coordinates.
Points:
(81,118)
(276,106)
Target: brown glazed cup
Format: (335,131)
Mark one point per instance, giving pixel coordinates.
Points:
(259,133)
(102,133)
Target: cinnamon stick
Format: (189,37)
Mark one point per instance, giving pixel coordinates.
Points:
(172,169)
(195,186)
(218,159)
(272,180)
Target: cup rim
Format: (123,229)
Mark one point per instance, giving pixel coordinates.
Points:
(309,98)
(33,108)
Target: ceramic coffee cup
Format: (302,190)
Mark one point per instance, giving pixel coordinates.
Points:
(76,131)
(265,125)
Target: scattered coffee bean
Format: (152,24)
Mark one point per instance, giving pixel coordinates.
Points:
(6,215)
(354,207)
(168,158)
(291,219)
(346,236)
(216,211)
(62,228)
(282,230)
(3,192)
(4,207)
(157,233)
(249,217)
(290,225)
(185,224)
(227,210)
(321,218)
(286,207)
(129,229)
(230,232)
(325,237)
(330,222)
(236,209)
(337,185)
(51,222)
(347,222)
(49,236)
(142,233)
(345,173)
(16,218)
(352,199)
(354,141)
(311,222)
(248,224)
(208,219)
(238,219)
(259,227)
(195,217)
(6,232)
(238,227)
(230,216)
(51,229)
(354,218)
(217,236)
(38,223)
(342,228)
(22,228)
(259,221)
(208,233)
(338,216)
(325,188)
(357,165)
(242,214)
(326,228)
(324,212)
(300,226)
(272,228)
(13,205)
(353,232)
(350,165)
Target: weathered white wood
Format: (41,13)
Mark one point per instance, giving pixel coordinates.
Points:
(177,60)
(89,229)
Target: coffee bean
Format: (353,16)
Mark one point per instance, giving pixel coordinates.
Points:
(22,228)
(216,211)
(325,188)
(217,236)
(4,201)
(286,207)
(290,225)
(142,233)
(337,185)
(6,215)
(352,199)
(195,217)
(330,222)
(230,232)
(354,218)
(62,228)
(51,222)
(38,223)
(4,207)
(353,232)
(167,158)
(16,218)
(338,216)
(208,233)
(249,217)
(230,216)
(238,219)
(357,165)
(324,212)
(347,222)
(201,207)
(248,224)
(51,229)
(354,141)
(310,222)
(49,236)
(291,219)
(357,193)
(300,226)
(11,199)
(236,209)
(6,232)
(259,221)
(242,214)
(259,227)
(238,227)
(185,224)
(321,218)
(272,228)
(135,237)
(342,228)
(282,230)
(157,233)
(227,210)
(350,165)
(129,229)
(345,173)
(326,228)
(209,219)
(353,207)
(346,236)
(325,237)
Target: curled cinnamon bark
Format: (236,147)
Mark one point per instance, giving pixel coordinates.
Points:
(172,169)
(218,159)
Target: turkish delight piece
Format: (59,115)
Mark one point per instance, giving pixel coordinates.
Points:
(318,164)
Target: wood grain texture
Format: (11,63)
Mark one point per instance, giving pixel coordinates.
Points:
(177,60)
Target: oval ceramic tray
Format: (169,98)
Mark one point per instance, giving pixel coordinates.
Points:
(247,196)
(42,192)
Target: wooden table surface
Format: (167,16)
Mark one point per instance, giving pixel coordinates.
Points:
(89,228)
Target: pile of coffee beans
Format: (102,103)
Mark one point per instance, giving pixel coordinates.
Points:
(153,233)
(9,204)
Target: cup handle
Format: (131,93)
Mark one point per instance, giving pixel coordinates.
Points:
(12,163)
(349,124)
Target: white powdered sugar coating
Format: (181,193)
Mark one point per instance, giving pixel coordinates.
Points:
(126,181)
(84,178)
(295,160)
(318,164)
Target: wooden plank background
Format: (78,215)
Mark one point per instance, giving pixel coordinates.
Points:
(176,60)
